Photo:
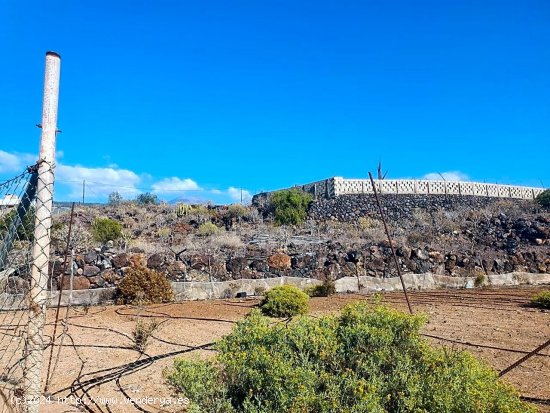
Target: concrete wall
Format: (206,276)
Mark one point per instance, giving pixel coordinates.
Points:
(334,187)
(186,291)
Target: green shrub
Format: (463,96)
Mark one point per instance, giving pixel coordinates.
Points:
(366,360)
(142,286)
(543,199)
(322,290)
(147,199)
(541,299)
(25,229)
(290,206)
(106,229)
(284,301)
(208,228)
(237,211)
(115,199)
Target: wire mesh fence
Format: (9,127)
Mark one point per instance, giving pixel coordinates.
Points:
(24,257)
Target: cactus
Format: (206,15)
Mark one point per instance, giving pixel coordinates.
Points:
(183,210)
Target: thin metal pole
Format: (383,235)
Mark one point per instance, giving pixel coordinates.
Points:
(391,243)
(41,245)
(524,358)
(83,190)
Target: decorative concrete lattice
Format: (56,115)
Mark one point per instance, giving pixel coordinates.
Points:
(341,186)
(333,187)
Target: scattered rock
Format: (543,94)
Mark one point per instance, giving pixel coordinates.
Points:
(279,261)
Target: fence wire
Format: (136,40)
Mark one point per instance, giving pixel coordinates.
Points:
(20,362)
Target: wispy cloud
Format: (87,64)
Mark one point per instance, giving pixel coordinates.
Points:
(174,183)
(236,194)
(446,176)
(15,162)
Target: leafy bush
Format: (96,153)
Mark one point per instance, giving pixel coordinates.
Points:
(142,286)
(322,290)
(541,299)
(106,229)
(147,199)
(290,206)
(115,199)
(367,359)
(25,229)
(208,228)
(237,211)
(543,199)
(284,301)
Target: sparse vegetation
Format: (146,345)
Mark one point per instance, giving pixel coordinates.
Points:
(543,199)
(367,359)
(147,199)
(237,211)
(114,199)
(541,300)
(325,289)
(284,301)
(479,280)
(290,206)
(141,334)
(106,229)
(25,229)
(142,286)
(207,228)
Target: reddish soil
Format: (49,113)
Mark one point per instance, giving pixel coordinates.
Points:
(494,324)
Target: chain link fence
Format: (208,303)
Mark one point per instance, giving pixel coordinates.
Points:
(24,256)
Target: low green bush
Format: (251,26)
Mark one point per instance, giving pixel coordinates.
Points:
(25,229)
(106,229)
(365,360)
(142,286)
(543,199)
(208,228)
(284,301)
(322,290)
(290,206)
(541,299)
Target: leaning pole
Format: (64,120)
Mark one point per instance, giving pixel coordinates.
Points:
(41,245)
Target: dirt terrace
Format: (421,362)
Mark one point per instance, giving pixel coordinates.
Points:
(98,362)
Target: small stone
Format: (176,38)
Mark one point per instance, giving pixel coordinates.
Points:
(279,261)
(90,257)
(120,260)
(91,270)
(17,285)
(79,283)
(156,261)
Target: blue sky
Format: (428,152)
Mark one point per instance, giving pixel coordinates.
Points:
(195,99)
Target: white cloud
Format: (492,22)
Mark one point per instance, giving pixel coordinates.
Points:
(446,176)
(100,182)
(175,184)
(15,162)
(235,194)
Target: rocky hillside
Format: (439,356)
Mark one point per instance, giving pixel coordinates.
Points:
(342,237)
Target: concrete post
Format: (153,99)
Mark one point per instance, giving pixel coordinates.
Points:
(41,246)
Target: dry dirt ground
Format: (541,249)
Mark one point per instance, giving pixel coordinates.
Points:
(98,362)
